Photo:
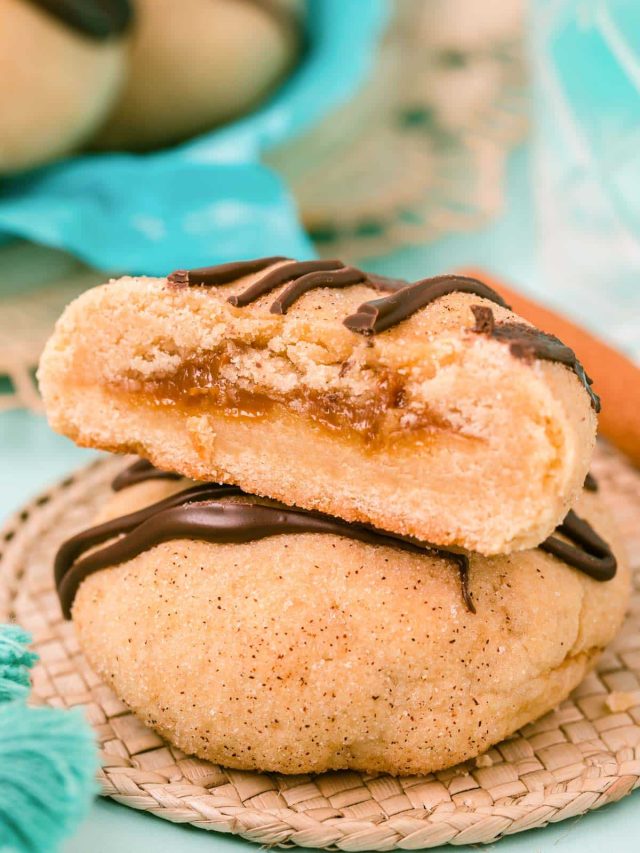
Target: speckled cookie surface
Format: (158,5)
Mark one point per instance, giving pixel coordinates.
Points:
(313,652)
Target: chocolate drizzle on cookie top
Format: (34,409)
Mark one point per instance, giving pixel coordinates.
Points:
(97,19)
(300,276)
(200,513)
(527,342)
(371,318)
(585,550)
(304,276)
(590,483)
(220,274)
(139,472)
(379,315)
(69,571)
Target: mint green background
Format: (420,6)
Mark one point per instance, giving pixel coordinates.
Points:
(33,457)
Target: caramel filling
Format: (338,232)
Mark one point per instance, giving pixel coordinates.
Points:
(198,385)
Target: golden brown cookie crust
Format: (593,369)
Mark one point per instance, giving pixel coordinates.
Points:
(312,652)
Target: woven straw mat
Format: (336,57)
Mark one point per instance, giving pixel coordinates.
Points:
(581,756)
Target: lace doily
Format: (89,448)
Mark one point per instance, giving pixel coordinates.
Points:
(421,151)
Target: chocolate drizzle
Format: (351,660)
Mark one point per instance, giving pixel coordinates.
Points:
(377,316)
(69,571)
(220,274)
(590,483)
(370,318)
(463,569)
(301,276)
(527,343)
(585,551)
(281,275)
(139,472)
(337,278)
(197,513)
(98,19)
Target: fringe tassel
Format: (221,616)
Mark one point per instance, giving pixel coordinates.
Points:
(48,759)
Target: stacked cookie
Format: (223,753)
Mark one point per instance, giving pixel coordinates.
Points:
(359,537)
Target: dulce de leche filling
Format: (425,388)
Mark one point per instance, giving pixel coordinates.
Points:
(203,383)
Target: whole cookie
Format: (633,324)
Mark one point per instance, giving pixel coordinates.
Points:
(61,66)
(307,652)
(198,63)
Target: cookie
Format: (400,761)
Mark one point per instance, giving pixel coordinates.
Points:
(61,67)
(432,411)
(303,651)
(198,63)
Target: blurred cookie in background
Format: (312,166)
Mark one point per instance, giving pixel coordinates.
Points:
(198,63)
(61,67)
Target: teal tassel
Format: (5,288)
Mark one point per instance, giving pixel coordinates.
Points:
(15,663)
(48,759)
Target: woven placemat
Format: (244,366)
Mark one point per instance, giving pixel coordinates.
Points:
(581,756)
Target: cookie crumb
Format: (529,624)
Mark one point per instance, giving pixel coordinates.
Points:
(484,761)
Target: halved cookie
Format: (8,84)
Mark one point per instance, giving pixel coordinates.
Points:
(433,412)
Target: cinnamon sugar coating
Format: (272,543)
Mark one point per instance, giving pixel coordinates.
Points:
(311,652)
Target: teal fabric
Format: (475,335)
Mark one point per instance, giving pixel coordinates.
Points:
(15,662)
(156,213)
(48,759)
(211,199)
